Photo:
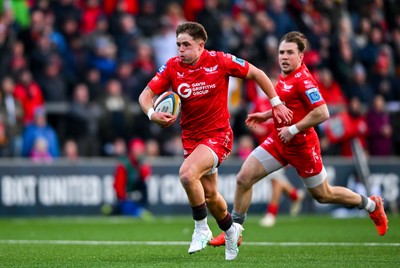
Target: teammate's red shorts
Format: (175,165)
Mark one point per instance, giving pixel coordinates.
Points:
(305,158)
(220,142)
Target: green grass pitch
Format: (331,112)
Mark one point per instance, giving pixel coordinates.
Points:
(304,241)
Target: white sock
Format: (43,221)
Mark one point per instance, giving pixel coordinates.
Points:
(201,224)
(371,205)
(230,231)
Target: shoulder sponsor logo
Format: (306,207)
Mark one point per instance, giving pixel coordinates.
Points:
(162,68)
(238,60)
(313,95)
(212,53)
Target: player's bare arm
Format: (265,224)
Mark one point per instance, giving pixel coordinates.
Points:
(281,112)
(316,116)
(255,118)
(146,102)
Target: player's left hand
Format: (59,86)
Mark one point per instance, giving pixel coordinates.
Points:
(284,134)
(283,114)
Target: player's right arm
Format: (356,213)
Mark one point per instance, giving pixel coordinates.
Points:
(146,102)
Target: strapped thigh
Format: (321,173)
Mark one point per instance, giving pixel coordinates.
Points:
(269,163)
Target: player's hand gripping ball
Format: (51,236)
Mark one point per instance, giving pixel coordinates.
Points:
(168,102)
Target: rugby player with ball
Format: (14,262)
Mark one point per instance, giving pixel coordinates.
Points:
(200,78)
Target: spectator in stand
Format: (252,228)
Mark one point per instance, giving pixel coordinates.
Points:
(173,146)
(43,52)
(343,128)
(13,116)
(143,68)
(83,122)
(362,32)
(116,119)
(331,91)
(174,14)
(192,8)
(127,6)
(70,150)
(284,22)
(17,61)
(90,13)
(52,81)
(6,47)
(266,42)
(210,17)
(127,79)
(92,81)
(343,61)
(104,58)
(360,87)
(380,130)
(152,148)
(65,10)
(246,48)
(369,54)
(28,92)
(383,78)
(100,32)
(39,129)
(128,38)
(40,153)
(163,42)
(147,19)
(31,35)
(130,178)
(70,29)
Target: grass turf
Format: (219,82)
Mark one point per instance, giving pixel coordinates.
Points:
(305,241)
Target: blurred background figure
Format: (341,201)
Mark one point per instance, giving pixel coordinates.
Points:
(83,121)
(281,185)
(40,152)
(70,150)
(380,129)
(342,128)
(130,176)
(39,136)
(12,114)
(28,92)
(116,119)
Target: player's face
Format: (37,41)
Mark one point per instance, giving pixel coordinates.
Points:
(289,57)
(189,50)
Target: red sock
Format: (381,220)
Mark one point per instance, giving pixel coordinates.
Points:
(273,209)
(293,195)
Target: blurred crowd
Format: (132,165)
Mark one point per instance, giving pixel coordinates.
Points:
(71,71)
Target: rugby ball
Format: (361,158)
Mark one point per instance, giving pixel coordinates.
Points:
(168,102)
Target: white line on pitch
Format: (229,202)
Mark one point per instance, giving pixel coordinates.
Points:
(178,243)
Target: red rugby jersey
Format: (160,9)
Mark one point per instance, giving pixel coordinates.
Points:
(300,93)
(203,89)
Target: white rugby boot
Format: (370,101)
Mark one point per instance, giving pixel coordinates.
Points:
(231,242)
(200,239)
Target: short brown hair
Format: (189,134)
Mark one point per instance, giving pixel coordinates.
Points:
(298,38)
(194,29)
